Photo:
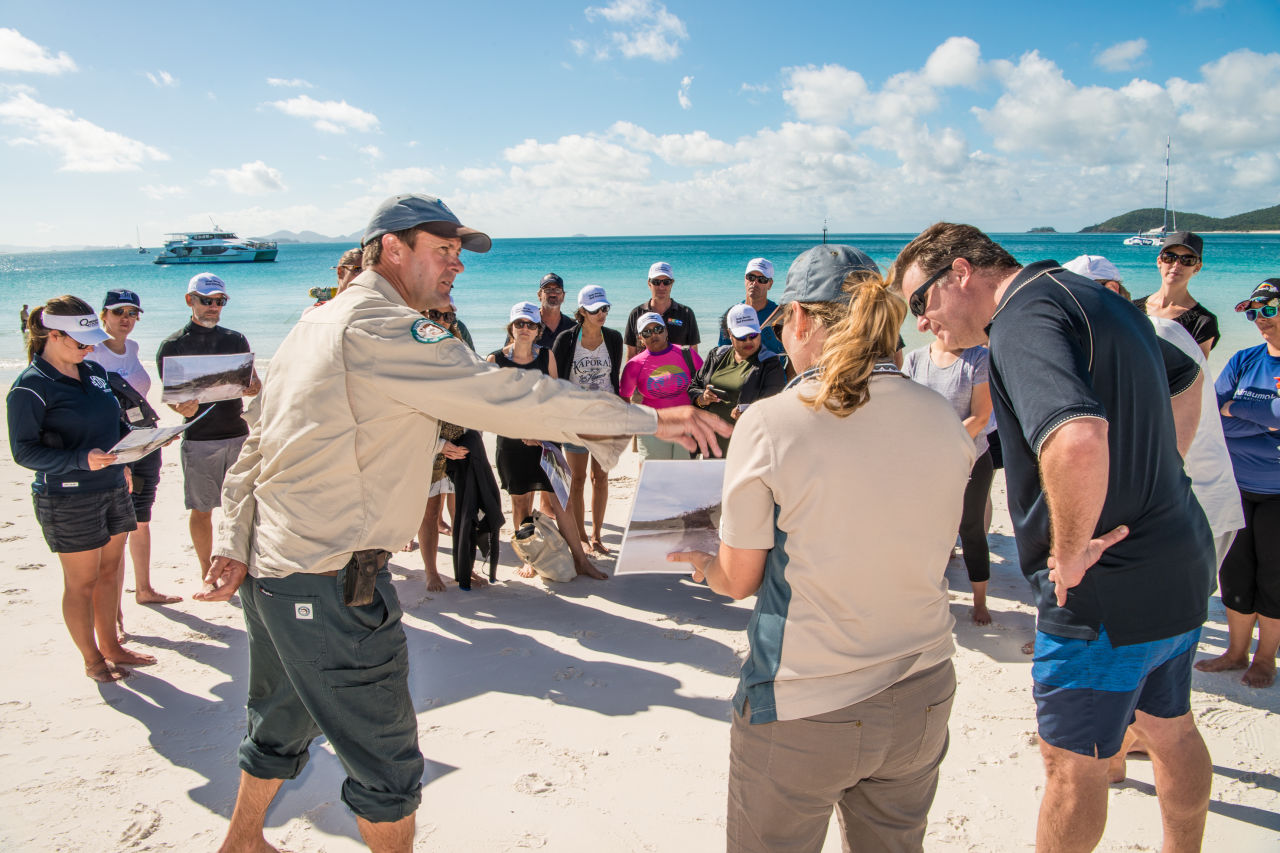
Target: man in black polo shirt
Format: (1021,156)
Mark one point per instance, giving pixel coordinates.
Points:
(210,447)
(550,298)
(682,326)
(1116,547)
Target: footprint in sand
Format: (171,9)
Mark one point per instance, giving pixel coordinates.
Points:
(143,823)
(26,567)
(4,539)
(531,841)
(534,784)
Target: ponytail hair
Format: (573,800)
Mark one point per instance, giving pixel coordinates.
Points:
(62,306)
(867,334)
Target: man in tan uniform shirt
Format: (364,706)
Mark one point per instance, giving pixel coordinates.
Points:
(332,478)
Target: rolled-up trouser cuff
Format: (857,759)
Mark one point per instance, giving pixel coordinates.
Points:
(262,764)
(379,806)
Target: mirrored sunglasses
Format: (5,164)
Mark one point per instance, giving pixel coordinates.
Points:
(132,313)
(1268,311)
(750,336)
(653,330)
(604,309)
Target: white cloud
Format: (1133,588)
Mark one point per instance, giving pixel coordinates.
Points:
(1122,56)
(290,83)
(646,30)
(754,88)
(162,191)
(83,145)
(256,178)
(19,53)
(411,179)
(373,152)
(689,149)
(480,176)
(328,116)
(682,94)
(162,79)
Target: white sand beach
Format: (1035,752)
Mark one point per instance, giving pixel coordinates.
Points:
(590,716)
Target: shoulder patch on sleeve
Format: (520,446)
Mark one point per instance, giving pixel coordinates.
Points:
(426,332)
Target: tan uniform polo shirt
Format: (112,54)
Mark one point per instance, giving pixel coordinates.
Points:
(858,515)
(339,459)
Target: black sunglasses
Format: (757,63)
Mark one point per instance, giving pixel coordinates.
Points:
(758,279)
(1175,258)
(125,312)
(74,341)
(653,330)
(779,320)
(525,324)
(217,300)
(920,297)
(446,317)
(601,310)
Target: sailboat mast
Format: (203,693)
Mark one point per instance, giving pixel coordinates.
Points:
(1164,228)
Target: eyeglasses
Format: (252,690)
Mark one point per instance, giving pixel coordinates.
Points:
(920,297)
(750,336)
(1187,260)
(217,300)
(74,341)
(1268,311)
(604,309)
(758,279)
(780,319)
(550,288)
(661,282)
(525,324)
(446,317)
(131,313)
(652,331)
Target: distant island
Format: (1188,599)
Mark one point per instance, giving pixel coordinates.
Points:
(1136,221)
(1042,229)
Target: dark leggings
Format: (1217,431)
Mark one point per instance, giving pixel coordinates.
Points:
(973,527)
(1249,579)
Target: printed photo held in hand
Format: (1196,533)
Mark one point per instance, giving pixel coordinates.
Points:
(206,378)
(677,508)
(557,471)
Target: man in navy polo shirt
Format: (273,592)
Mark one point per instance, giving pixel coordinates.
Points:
(682,325)
(1093,410)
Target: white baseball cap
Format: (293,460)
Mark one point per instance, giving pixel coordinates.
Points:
(660,268)
(648,319)
(1093,267)
(81,328)
(762,266)
(525,311)
(742,321)
(592,298)
(205,284)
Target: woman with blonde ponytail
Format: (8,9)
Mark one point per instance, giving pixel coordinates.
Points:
(841,500)
(62,414)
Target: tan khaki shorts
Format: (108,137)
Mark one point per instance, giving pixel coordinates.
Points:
(876,760)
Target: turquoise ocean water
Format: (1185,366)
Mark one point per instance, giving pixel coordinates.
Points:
(266,299)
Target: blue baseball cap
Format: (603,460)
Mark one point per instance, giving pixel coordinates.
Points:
(121,299)
(818,274)
(409,209)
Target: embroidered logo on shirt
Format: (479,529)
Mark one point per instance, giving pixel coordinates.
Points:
(100,383)
(426,332)
(302,611)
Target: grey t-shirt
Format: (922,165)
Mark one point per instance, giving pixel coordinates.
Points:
(955,382)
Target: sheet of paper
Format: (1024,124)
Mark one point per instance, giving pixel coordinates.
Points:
(139,442)
(677,508)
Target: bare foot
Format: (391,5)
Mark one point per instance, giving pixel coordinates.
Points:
(124,657)
(1221,664)
(585,568)
(1259,674)
(981,616)
(598,547)
(102,672)
(411,546)
(479,581)
(445,530)
(150,596)
(434,583)
(1029,647)
(526,571)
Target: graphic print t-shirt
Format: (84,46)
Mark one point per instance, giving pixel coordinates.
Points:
(590,367)
(663,379)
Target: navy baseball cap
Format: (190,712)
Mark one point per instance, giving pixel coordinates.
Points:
(405,211)
(121,299)
(551,279)
(818,274)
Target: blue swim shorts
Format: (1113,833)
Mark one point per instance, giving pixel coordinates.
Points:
(1086,691)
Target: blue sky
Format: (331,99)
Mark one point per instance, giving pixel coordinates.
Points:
(630,116)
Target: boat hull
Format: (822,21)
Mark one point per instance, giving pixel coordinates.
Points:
(258,256)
